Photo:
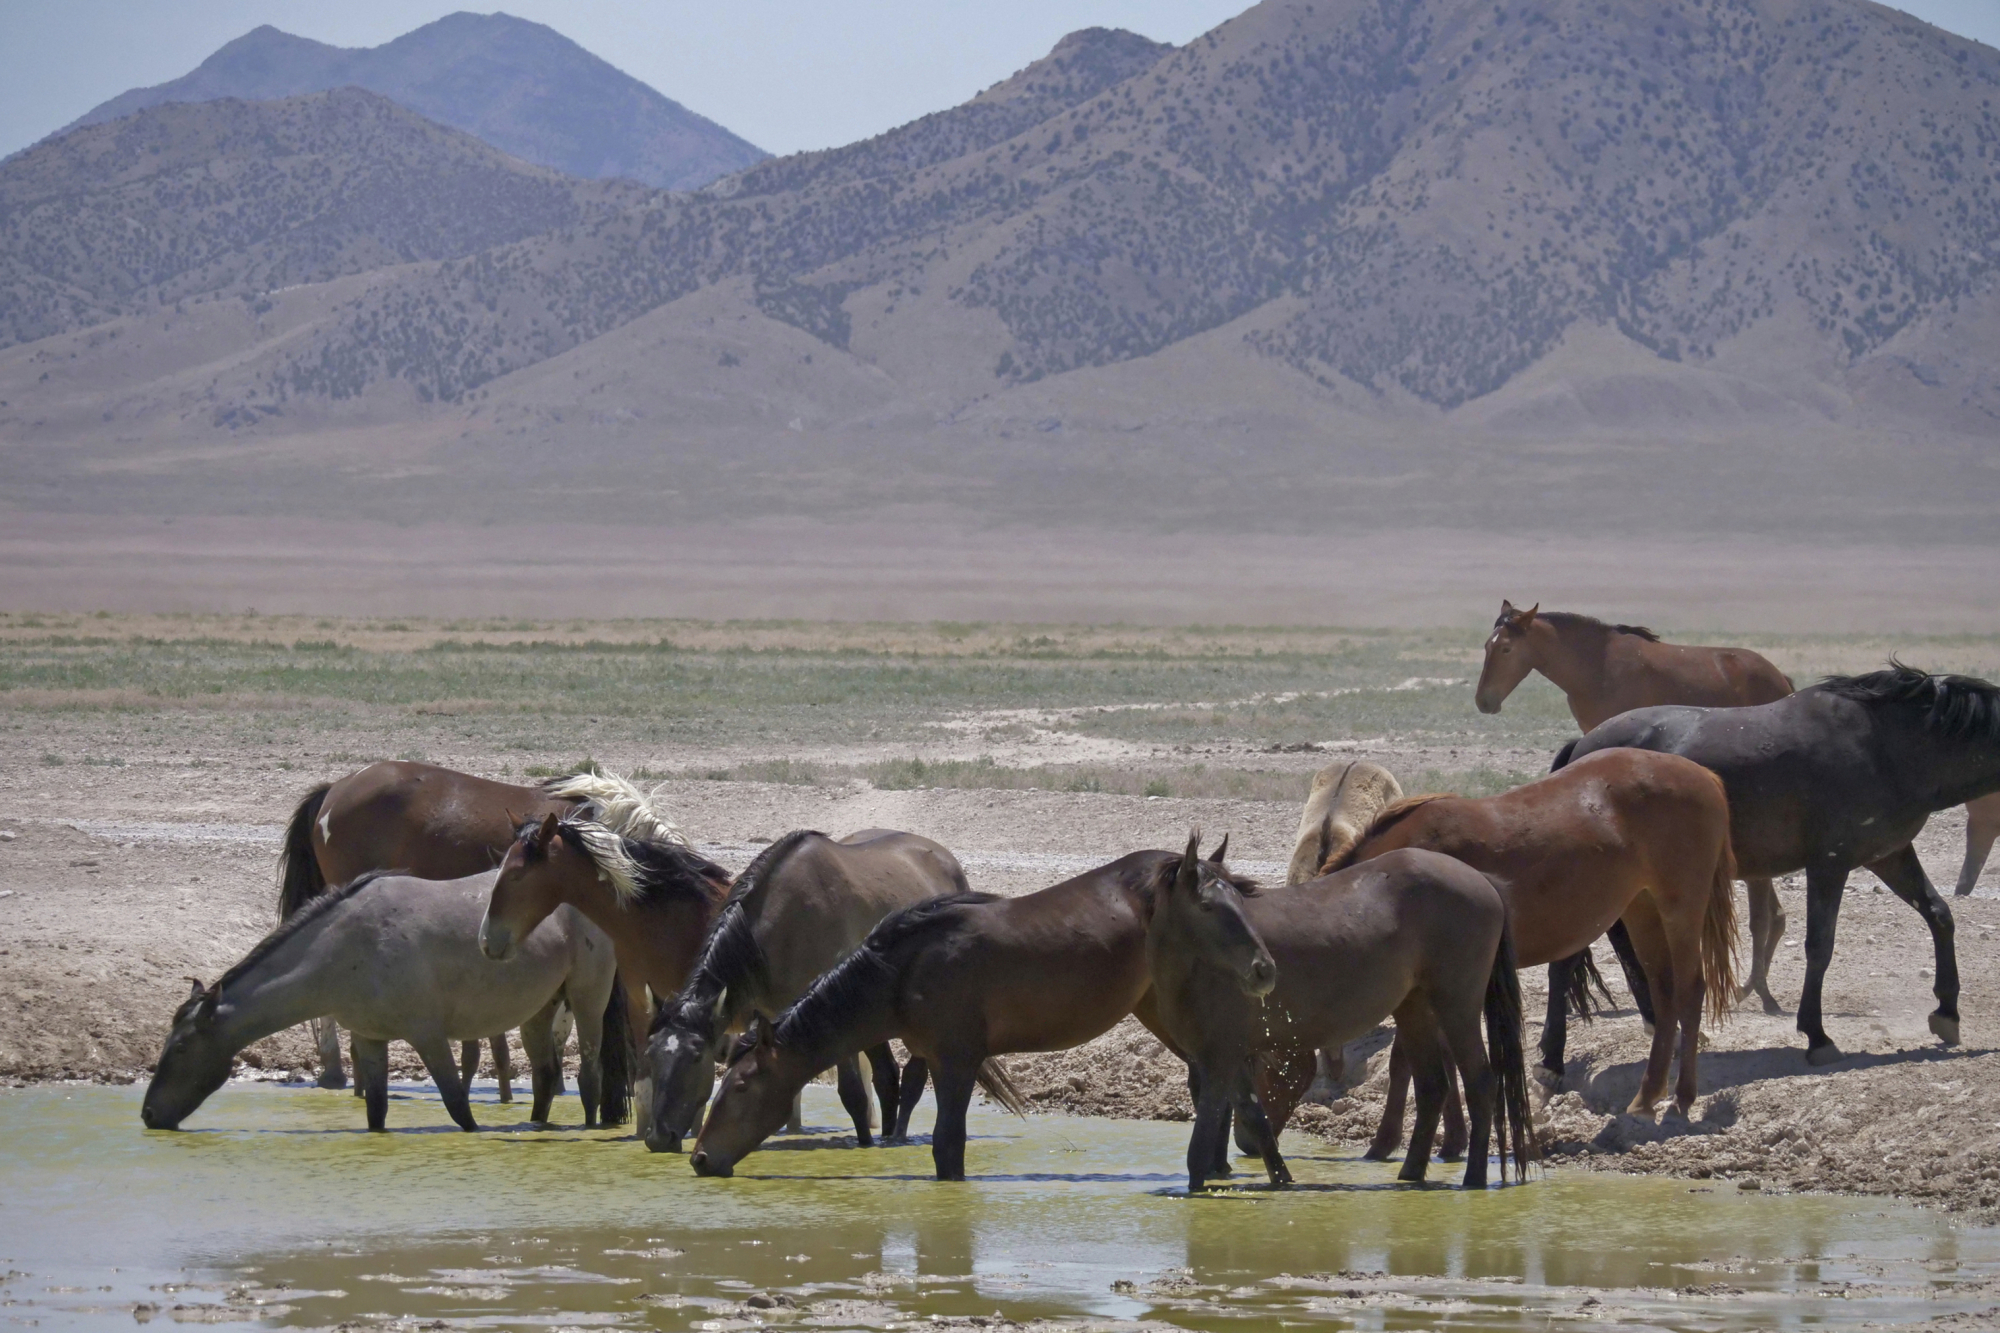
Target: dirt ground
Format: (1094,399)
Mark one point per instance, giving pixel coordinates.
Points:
(120,881)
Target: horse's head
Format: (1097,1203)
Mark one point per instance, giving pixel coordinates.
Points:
(680,1057)
(194,1063)
(1510,656)
(756,1096)
(533,882)
(1198,917)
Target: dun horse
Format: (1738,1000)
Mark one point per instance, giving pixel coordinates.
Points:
(395,958)
(1630,835)
(435,823)
(960,979)
(1412,933)
(1840,775)
(654,899)
(795,911)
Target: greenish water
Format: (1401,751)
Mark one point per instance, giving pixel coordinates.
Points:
(275,1207)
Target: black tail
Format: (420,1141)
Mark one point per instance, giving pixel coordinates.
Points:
(1563,755)
(1581,979)
(1513,1130)
(299,877)
(614,1103)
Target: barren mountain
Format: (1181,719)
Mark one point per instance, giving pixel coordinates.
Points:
(522,87)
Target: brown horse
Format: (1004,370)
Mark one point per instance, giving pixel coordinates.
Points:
(1632,838)
(795,911)
(435,823)
(1412,933)
(1604,670)
(654,899)
(959,979)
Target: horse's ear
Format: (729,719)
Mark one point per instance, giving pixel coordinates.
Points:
(199,989)
(1527,617)
(1188,877)
(766,1039)
(1221,850)
(206,1013)
(1507,609)
(721,1002)
(546,837)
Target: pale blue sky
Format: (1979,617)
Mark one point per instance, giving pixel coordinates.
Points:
(785,74)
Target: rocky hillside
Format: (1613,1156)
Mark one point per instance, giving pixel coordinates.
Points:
(247,197)
(522,87)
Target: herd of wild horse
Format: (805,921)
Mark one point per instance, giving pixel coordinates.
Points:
(1697,767)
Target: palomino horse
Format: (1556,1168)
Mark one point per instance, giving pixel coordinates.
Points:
(1629,836)
(1411,933)
(795,911)
(436,823)
(1604,670)
(1841,774)
(655,899)
(960,979)
(395,958)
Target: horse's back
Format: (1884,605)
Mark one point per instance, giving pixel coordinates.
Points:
(433,822)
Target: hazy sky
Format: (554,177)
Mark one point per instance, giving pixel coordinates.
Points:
(785,74)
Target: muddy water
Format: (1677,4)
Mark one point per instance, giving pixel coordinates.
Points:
(274,1207)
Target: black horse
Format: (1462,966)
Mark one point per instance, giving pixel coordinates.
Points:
(1839,775)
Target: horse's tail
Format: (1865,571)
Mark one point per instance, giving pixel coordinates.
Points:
(1513,1129)
(614,1103)
(1718,934)
(1581,979)
(998,1084)
(1564,755)
(300,879)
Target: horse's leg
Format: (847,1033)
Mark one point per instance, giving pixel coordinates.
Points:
(468,1062)
(350,1056)
(590,1062)
(435,1052)
(1209,1138)
(1282,1084)
(1218,1165)
(795,1123)
(854,1096)
(1555,1021)
(1904,874)
(1824,886)
(1982,826)
(1767,927)
(326,1036)
(1462,1038)
(1453,1146)
(503,1068)
(1663,975)
(1634,970)
(1416,1025)
(371,1078)
(882,1068)
(915,1075)
(560,1026)
(955,1081)
(1389,1132)
(544,1062)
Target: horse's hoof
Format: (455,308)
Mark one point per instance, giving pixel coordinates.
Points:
(331,1082)
(1773,1008)
(1640,1111)
(1945,1028)
(1825,1054)
(1377,1153)
(1411,1175)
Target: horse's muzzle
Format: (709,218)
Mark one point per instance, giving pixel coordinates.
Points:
(663,1143)
(1262,977)
(704,1165)
(1485,705)
(495,940)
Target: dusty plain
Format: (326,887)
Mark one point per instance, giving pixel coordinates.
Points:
(150,760)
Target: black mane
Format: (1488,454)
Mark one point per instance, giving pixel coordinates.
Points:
(816,1017)
(1961,707)
(730,955)
(1574,620)
(1156,880)
(314,909)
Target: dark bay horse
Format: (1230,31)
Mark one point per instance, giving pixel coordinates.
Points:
(435,823)
(396,958)
(1840,775)
(655,899)
(1604,670)
(1411,933)
(1626,834)
(960,979)
(795,911)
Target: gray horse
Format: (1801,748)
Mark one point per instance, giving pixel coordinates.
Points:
(390,957)
(795,911)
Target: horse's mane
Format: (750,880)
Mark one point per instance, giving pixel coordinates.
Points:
(313,910)
(1156,880)
(640,870)
(1961,707)
(730,955)
(1574,620)
(1386,818)
(617,804)
(816,1016)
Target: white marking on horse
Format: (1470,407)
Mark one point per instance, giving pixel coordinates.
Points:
(326,826)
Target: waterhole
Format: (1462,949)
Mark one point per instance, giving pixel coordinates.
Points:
(274,1207)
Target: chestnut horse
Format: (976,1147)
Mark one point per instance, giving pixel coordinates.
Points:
(436,823)
(1414,934)
(1627,836)
(1604,670)
(655,900)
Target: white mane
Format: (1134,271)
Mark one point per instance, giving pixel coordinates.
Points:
(618,805)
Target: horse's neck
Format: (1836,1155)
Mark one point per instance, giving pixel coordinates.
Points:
(1951,772)
(281,991)
(1576,663)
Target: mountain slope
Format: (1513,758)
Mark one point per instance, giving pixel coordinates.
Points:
(250,196)
(522,87)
